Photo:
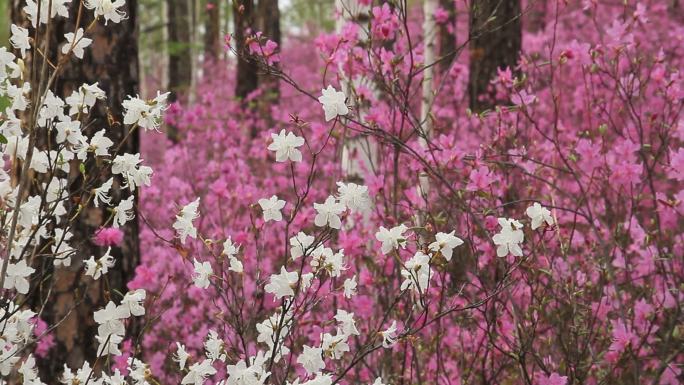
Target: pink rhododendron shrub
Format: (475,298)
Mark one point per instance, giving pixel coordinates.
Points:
(351,241)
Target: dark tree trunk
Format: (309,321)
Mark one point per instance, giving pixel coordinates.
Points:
(247,78)
(111,61)
(496,37)
(179,15)
(212,30)
(180,58)
(269,25)
(447,37)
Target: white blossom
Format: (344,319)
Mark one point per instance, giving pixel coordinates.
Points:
(333,102)
(354,196)
(445,244)
(328,213)
(183,224)
(76,43)
(20,39)
(311,359)
(539,214)
(285,146)
(391,239)
(299,244)
(16,276)
(202,273)
(108,9)
(509,239)
(123,212)
(280,285)
(271,208)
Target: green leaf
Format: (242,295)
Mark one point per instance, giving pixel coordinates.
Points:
(3,140)
(5,101)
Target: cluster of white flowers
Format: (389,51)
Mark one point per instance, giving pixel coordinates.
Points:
(289,285)
(110,320)
(43,217)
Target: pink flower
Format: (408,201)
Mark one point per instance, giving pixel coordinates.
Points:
(108,236)
(480,179)
(553,379)
(441,15)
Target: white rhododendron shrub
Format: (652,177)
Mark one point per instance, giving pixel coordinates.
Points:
(47,142)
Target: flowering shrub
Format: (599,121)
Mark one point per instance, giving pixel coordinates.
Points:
(354,242)
(378,231)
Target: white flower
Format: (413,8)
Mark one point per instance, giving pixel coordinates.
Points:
(76,43)
(333,102)
(110,320)
(146,114)
(58,8)
(389,336)
(108,345)
(285,146)
(181,355)
(85,97)
(280,285)
(123,212)
(198,372)
(69,131)
(130,168)
(350,287)
(354,196)
(98,268)
(378,381)
(213,347)
(328,213)
(235,265)
(201,275)
(347,323)
(229,248)
(183,224)
(445,244)
(108,9)
(101,193)
(311,359)
(16,277)
(391,239)
(20,39)
(271,208)
(100,144)
(299,243)
(334,346)
(132,302)
(510,238)
(539,214)
(416,273)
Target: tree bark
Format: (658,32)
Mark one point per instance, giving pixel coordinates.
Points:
(496,37)
(447,35)
(179,15)
(269,24)
(212,30)
(111,61)
(247,78)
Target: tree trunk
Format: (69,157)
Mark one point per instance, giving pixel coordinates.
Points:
(212,30)
(247,78)
(111,61)
(496,37)
(269,25)
(180,56)
(447,35)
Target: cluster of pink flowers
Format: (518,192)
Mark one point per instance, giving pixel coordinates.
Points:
(583,287)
